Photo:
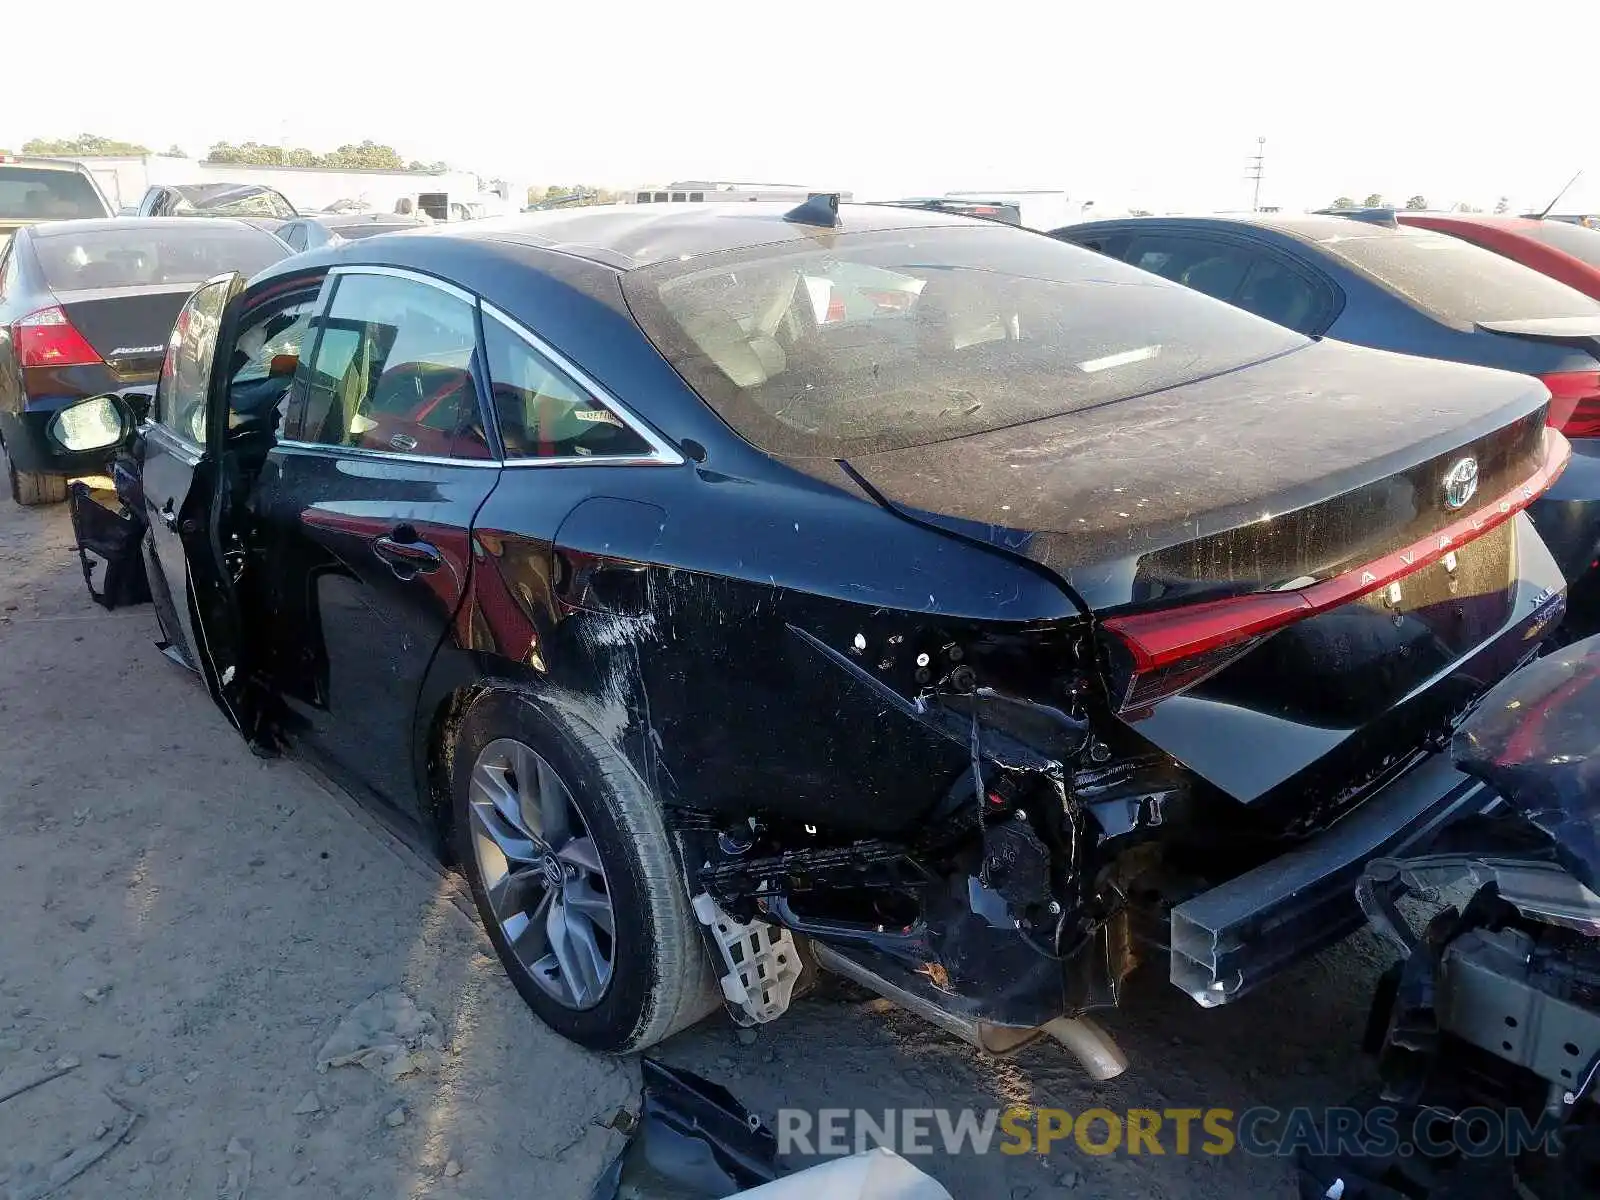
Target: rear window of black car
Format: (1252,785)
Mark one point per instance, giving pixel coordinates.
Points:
(40,194)
(1583,244)
(134,254)
(1454,280)
(866,342)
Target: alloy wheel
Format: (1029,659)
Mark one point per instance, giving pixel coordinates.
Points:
(542,874)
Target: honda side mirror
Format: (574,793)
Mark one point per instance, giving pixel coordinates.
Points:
(98,423)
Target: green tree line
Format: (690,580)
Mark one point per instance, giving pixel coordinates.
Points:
(367,155)
(1418,203)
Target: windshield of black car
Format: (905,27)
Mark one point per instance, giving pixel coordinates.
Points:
(40,194)
(877,341)
(136,254)
(1583,244)
(1454,280)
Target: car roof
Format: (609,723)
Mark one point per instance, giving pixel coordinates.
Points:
(49,229)
(339,220)
(206,191)
(630,236)
(46,164)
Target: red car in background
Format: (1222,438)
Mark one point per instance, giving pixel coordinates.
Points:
(1570,253)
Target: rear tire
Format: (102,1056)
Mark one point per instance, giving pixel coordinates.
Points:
(33,488)
(656,975)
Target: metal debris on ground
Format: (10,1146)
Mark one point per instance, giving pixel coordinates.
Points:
(387,1034)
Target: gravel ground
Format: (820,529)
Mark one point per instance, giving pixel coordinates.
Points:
(184,925)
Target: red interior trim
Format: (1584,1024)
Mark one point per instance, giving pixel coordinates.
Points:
(1167,636)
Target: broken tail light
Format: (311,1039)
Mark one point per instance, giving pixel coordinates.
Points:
(1172,649)
(46,338)
(1574,402)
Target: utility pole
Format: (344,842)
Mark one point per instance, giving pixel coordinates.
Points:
(1257,169)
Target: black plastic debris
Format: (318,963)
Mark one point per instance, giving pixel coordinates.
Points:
(110,537)
(692,1141)
(1396,1168)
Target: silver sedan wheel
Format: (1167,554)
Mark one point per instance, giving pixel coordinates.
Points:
(542,873)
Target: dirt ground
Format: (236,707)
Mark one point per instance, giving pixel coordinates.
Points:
(182,926)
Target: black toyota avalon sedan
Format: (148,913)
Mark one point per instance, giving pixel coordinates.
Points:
(722,585)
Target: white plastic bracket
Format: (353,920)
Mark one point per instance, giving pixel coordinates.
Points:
(760,962)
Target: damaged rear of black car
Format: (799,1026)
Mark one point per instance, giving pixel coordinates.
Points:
(986,616)
(1216,589)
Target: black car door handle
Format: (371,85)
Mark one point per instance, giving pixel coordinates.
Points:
(407,556)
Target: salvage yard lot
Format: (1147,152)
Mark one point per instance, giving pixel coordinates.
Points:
(185,924)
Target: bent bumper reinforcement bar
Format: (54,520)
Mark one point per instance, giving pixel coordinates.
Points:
(1230,939)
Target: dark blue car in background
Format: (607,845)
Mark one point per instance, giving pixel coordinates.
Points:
(1376,283)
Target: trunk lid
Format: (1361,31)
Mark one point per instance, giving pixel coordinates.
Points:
(1295,468)
(127,326)
(1582,331)
(1294,557)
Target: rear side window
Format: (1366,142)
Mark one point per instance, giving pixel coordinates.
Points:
(542,412)
(1279,293)
(35,194)
(134,254)
(876,341)
(393,372)
(1454,280)
(1583,244)
(1215,268)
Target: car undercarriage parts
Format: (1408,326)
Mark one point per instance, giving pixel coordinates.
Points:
(1230,939)
(1100,1056)
(1497,1003)
(758,965)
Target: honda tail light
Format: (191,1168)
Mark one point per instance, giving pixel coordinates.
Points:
(1575,402)
(47,339)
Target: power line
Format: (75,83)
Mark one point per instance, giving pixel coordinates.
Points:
(1258,164)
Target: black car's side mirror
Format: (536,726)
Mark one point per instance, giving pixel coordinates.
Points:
(98,423)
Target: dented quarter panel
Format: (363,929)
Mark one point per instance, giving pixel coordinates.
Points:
(676,611)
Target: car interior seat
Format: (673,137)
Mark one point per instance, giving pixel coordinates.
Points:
(1277,297)
(1218,276)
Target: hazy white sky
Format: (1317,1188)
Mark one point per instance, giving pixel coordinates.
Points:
(1156,104)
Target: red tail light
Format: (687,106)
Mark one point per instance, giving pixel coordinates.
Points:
(47,339)
(1575,402)
(1173,649)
